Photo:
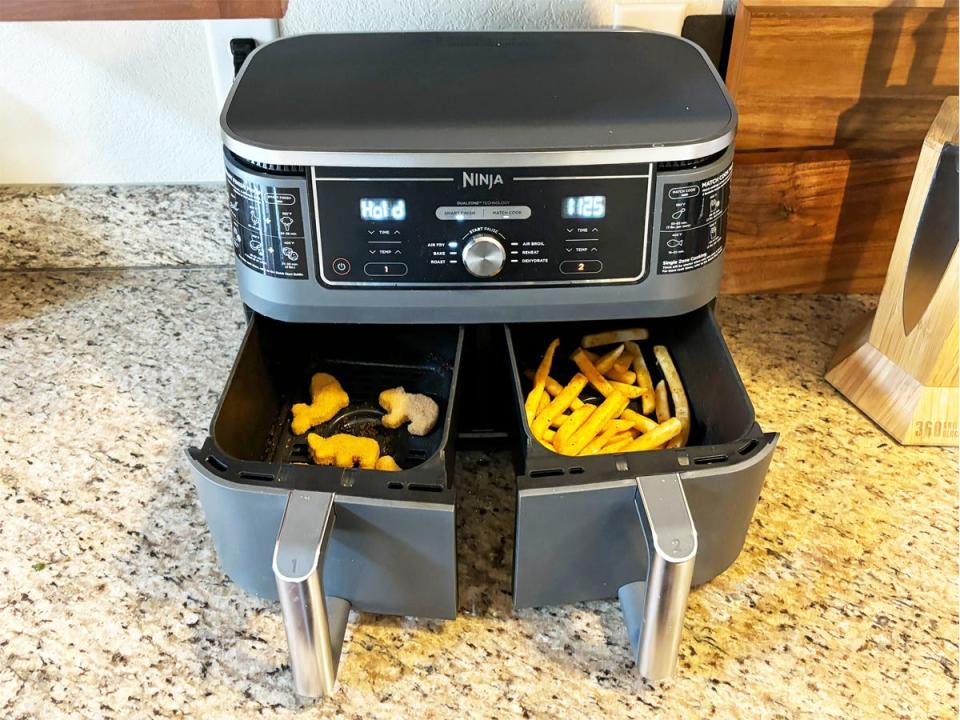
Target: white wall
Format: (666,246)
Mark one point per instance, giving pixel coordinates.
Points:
(134,102)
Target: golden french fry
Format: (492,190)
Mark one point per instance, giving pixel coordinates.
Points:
(656,437)
(612,428)
(631,391)
(610,408)
(614,336)
(621,436)
(640,422)
(605,362)
(576,419)
(547,436)
(681,407)
(554,388)
(544,401)
(627,376)
(540,381)
(643,378)
(617,446)
(663,404)
(593,375)
(625,360)
(558,405)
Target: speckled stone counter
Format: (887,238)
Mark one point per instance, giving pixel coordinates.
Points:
(842,604)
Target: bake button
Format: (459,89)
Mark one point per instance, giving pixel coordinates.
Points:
(390,269)
(341,266)
(581,267)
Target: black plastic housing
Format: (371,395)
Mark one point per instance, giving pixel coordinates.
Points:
(723,428)
(250,439)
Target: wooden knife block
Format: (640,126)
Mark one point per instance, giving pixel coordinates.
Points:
(899,364)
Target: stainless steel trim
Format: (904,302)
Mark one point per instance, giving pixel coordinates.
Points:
(314,624)
(578,177)
(381,179)
(644,259)
(555,490)
(653,608)
(610,156)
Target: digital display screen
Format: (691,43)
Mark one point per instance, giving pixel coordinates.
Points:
(584,206)
(378,209)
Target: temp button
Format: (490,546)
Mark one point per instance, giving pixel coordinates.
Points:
(581,267)
(389,269)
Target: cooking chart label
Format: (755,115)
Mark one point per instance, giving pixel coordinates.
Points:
(693,223)
(267,227)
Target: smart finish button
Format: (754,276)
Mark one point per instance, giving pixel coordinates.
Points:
(341,266)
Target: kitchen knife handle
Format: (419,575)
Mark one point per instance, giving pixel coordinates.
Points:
(315,624)
(653,608)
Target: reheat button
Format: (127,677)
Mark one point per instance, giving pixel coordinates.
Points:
(389,269)
(581,267)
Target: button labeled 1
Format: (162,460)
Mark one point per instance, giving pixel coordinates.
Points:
(581,267)
(390,269)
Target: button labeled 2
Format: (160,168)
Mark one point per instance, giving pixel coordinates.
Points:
(581,267)
(390,269)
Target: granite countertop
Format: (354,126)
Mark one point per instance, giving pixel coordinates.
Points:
(843,602)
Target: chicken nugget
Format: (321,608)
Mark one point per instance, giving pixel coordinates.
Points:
(328,398)
(419,410)
(386,462)
(345,451)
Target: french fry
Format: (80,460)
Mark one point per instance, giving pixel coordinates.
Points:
(620,437)
(593,375)
(640,422)
(605,362)
(625,360)
(540,381)
(576,419)
(610,408)
(617,446)
(656,437)
(631,391)
(544,401)
(558,405)
(663,404)
(613,336)
(547,437)
(612,428)
(644,380)
(681,407)
(627,376)
(553,388)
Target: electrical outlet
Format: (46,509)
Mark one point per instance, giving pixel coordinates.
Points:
(219,33)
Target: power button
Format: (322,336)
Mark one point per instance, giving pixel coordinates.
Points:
(341,266)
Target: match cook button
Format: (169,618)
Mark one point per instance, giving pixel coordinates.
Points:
(390,269)
(341,266)
(581,267)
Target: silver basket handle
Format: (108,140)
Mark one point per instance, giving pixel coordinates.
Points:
(315,624)
(653,608)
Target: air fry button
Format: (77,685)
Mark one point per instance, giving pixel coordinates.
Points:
(341,266)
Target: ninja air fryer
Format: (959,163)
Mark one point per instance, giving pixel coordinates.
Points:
(429,210)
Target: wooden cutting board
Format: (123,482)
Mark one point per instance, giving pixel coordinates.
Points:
(835,99)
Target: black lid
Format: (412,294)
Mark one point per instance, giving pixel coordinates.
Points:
(487,92)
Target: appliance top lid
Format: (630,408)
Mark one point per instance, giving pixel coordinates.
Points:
(476,92)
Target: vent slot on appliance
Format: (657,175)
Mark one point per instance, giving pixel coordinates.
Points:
(710,460)
(689,164)
(289,170)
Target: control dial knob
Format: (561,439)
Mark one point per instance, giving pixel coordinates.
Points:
(483,256)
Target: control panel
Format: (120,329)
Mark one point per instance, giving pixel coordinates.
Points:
(482,227)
